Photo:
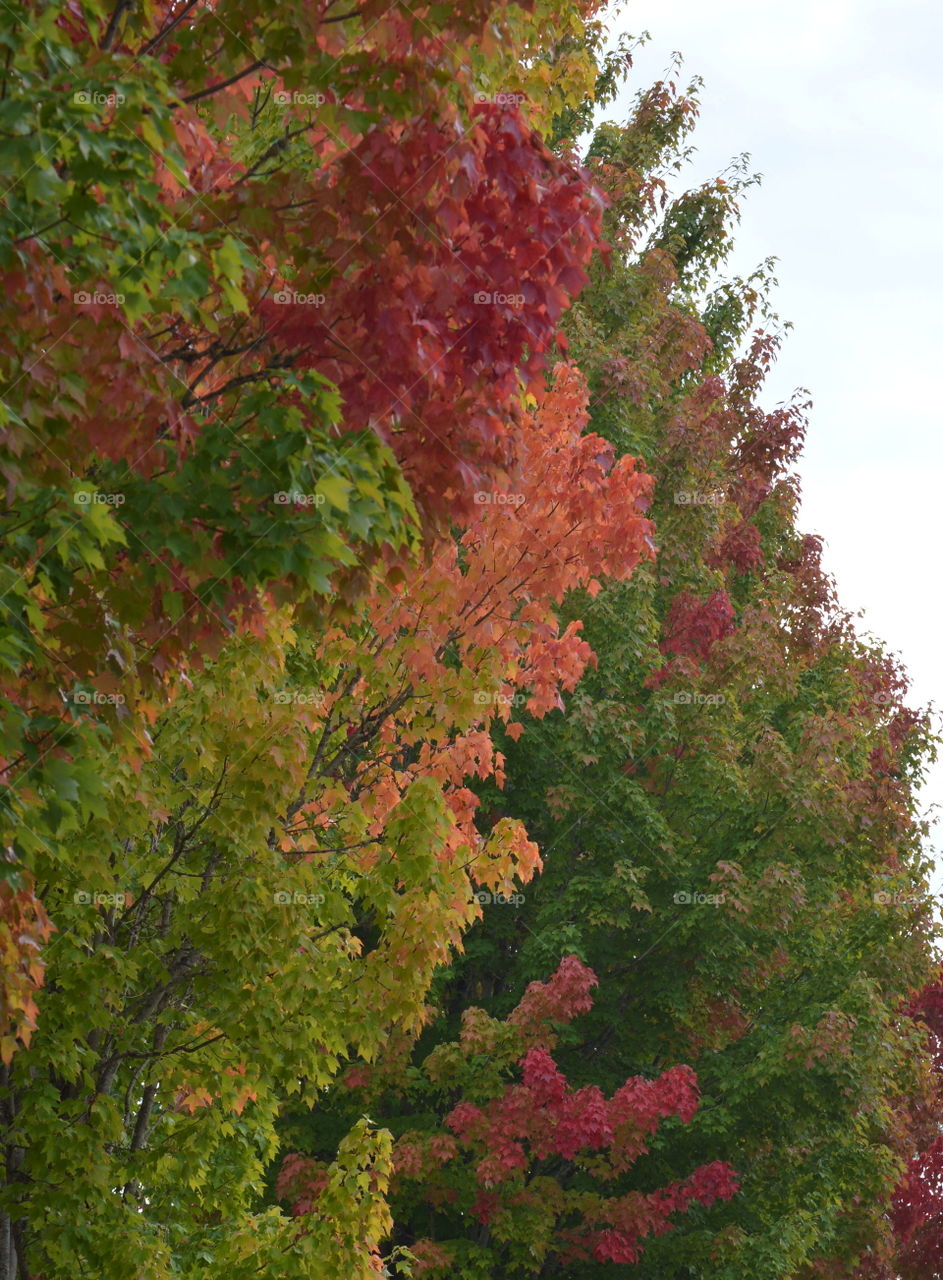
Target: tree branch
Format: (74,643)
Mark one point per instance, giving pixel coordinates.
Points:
(224,84)
(112,29)
(164,32)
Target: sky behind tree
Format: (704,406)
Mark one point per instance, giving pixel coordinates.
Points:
(840,105)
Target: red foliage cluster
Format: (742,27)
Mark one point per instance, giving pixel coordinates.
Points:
(635,1216)
(815,588)
(542,1117)
(300,1181)
(739,548)
(498,1145)
(692,626)
(566,995)
(927,1007)
(704,425)
(917,1215)
(24,927)
(553,1120)
(485,237)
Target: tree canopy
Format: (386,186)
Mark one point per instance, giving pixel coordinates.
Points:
(450,825)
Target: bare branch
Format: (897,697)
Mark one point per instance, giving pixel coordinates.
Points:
(224,84)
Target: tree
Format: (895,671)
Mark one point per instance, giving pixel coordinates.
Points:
(334,613)
(195,467)
(725,808)
(524,1174)
(209,408)
(228,921)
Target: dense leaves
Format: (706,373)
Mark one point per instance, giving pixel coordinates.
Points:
(450,826)
(915,1211)
(530,1161)
(306,823)
(208,409)
(725,811)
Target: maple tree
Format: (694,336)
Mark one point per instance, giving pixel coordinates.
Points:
(215,228)
(379,537)
(732,839)
(165,167)
(306,822)
(527,1162)
(726,809)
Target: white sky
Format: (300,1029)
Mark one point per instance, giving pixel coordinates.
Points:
(840,104)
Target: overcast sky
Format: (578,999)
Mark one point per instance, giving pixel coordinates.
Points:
(840,104)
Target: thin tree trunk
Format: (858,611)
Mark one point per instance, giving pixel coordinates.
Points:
(7,1251)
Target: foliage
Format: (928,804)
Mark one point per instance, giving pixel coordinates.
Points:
(377,537)
(529,1161)
(304,822)
(914,1250)
(725,808)
(209,405)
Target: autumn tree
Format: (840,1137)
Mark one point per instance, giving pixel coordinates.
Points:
(246,333)
(346,591)
(260,351)
(726,806)
(268,896)
(533,1166)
